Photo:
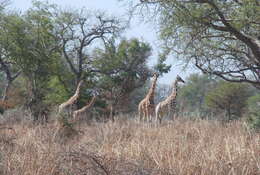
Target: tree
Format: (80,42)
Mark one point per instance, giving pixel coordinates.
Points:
(193,92)
(122,68)
(78,31)
(7,65)
(228,98)
(33,50)
(219,37)
(3,4)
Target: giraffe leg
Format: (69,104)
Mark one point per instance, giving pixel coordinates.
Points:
(160,120)
(143,114)
(146,113)
(160,116)
(152,114)
(173,116)
(140,115)
(169,115)
(150,117)
(158,113)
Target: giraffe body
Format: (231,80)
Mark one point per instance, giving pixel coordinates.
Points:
(168,106)
(146,107)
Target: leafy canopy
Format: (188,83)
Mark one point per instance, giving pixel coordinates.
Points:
(229,98)
(218,37)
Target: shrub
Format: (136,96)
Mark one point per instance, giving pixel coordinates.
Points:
(192,94)
(254,112)
(228,99)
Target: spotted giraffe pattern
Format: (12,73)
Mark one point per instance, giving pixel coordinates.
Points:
(168,106)
(146,107)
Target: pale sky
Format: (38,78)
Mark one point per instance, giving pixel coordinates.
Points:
(138,29)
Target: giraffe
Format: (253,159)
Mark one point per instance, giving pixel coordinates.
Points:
(146,107)
(168,106)
(71,100)
(84,109)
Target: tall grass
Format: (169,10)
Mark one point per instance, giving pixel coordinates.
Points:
(128,147)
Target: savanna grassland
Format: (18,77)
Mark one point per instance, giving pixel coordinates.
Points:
(127,147)
(57,55)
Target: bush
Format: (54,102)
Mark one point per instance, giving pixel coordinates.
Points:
(192,93)
(254,112)
(229,99)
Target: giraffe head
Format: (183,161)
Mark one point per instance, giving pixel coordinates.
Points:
(179,79)
(80,82)
(155,76)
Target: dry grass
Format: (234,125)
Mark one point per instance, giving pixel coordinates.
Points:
(126,147)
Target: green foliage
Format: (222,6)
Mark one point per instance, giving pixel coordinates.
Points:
(128,59)
(8,69)
(32,48)
(254,112)
(54,49)
(228,98)
(31,42)
(211,34)
(122,68)
(58,93)
(161,67)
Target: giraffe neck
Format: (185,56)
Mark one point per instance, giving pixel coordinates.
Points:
(78,88)
(174,89)
(152,89)
(76,95)
(92,101)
